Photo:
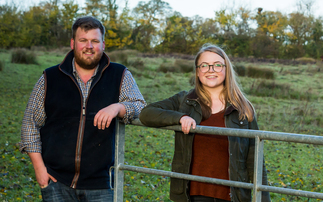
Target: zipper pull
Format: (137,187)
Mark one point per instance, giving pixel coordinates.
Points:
(83,111)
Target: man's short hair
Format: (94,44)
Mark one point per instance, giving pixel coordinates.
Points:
(87,23)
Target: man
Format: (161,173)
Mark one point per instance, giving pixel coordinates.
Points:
(68,128)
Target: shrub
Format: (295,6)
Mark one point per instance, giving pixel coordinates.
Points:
(167,67)
(138,64)
(64,50)
(319,66)
(319,121)
(119,56)
(184,66)
(267,88)
(192,80)
(240,69)
(113,57)
(39,48)
(256,72)
(1,65)
(130,52)
(168,75)
(170,81)
(305,60)
(147,75)
(23,56)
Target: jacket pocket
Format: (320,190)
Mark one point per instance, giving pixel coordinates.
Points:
(242,124)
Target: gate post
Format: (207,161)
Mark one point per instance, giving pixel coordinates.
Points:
(119,159)
(258,168)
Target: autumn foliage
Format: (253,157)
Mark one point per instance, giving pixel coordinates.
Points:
(154,27)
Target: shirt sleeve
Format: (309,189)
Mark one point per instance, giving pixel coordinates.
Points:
(131,98)
(34,119)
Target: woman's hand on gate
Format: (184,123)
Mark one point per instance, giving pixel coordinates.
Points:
(186,123)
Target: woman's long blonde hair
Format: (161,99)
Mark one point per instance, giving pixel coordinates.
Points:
(231,92)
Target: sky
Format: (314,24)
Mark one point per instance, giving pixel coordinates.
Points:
(206,8)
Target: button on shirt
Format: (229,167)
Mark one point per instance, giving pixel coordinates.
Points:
(35,116)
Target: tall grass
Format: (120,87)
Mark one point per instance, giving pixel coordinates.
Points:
(256,72)
(2,63)
(185,66)
(306,60)
(23,56)
(180,65)
(167,67)
(119,56)
(240,69)
(137,63)
(265,88)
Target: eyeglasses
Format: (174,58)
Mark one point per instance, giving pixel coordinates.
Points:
(205,67)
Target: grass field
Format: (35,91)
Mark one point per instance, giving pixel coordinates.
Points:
(292,102)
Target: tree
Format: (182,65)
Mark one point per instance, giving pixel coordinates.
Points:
(55,24)
(244,18)
(118,28)
(271,28)
(305,7)
(112,8)
(273,24)
(32,30)
(185,35)
(263,46)
(209,28)
(240,43)
(10,23)
(314,47)
(300,30)
(69,15)
(148,22)
(227,21)
(174,36)
(95,8)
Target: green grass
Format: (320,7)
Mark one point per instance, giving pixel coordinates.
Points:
(16,172)
(291,165)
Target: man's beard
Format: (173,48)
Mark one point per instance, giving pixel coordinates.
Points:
(87,63)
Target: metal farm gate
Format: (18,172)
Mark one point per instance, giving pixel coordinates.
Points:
(257,186)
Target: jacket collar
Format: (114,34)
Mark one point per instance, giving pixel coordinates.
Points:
(66,65)
(192,95)
(228,109)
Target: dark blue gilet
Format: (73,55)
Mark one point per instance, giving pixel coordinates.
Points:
(68,136)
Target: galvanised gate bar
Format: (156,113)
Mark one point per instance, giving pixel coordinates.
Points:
(259,136)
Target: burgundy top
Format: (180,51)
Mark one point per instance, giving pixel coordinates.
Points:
(210,158)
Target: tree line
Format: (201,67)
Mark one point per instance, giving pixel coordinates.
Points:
(153,26)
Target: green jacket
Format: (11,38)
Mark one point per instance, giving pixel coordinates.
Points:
(241,160)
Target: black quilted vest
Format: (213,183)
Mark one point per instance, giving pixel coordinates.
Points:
(74,151)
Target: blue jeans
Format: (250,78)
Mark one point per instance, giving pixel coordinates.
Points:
(206,199)
(58,192)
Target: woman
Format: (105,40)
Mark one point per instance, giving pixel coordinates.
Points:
(216,101)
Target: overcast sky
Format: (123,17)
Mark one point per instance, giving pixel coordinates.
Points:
(206,8)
